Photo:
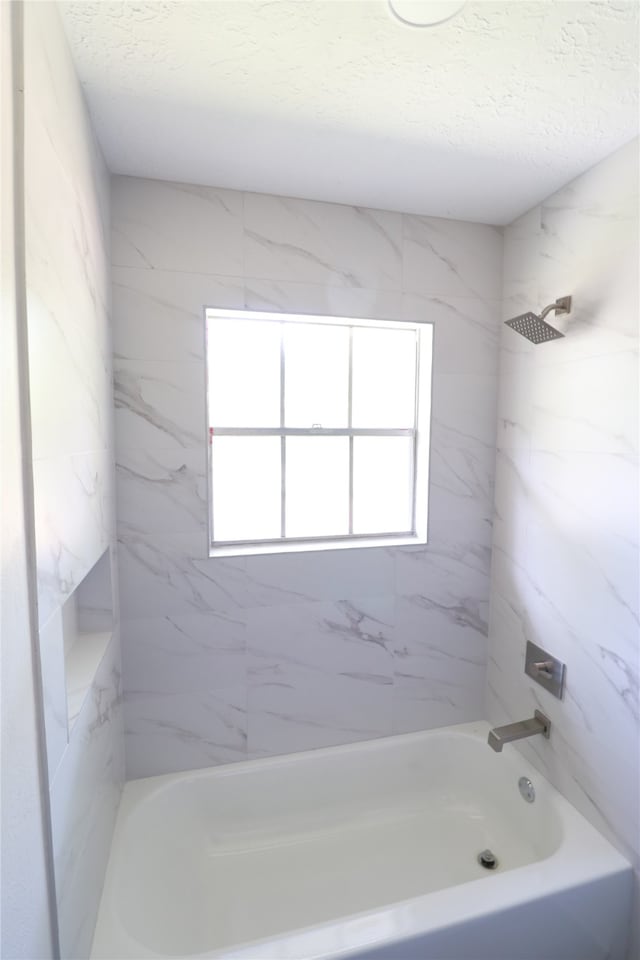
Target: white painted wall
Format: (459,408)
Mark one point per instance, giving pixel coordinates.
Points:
(68,320)
(565,569)
(25,910)
(228,659)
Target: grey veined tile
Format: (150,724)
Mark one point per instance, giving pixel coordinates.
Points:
(165,575)
(466,331)
(310,242)
(184,653)
(159,314)
(159,405)
(319,674)
(159,225)
(295,708)
(345,638)
(323,298)
(452,258)
(166,733)
(163,491)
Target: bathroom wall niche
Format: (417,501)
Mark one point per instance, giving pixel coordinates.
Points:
(87,625)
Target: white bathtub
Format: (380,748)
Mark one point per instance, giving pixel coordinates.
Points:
(367,850)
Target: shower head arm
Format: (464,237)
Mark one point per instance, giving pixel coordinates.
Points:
(562,305)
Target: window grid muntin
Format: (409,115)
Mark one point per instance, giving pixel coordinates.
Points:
(349,431)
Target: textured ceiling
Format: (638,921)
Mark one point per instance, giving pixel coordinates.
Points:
(476,119)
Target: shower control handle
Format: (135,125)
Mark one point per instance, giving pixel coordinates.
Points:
(545,668)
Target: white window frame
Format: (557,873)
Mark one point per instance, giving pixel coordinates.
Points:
(420,434)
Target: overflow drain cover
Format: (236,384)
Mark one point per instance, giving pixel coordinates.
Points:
(488,860)
(527,789)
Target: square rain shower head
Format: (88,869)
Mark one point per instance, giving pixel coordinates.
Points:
(534,328)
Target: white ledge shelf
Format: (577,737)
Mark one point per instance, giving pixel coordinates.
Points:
(83,660)
(87,619)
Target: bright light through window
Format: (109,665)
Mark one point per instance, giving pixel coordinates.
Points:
(318,431)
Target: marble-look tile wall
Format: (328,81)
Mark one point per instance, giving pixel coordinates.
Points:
(232,658)
(565,568)
(68,312)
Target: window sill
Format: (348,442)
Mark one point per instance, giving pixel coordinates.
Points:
(312,546)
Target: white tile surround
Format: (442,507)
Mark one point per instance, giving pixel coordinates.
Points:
(234,658)
(229,659)
(566,531)
(68,304)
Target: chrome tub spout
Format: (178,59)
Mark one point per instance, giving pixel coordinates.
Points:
(518,731)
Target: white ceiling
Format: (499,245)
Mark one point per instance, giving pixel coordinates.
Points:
(476,119)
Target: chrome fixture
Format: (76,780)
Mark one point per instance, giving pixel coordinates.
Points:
(545,669)
(424,13)
(488,859)
(527,789)
(518,731)
(534,327)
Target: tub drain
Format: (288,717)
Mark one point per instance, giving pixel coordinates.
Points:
(488,860)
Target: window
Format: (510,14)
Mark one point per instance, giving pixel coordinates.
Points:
(318,431)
